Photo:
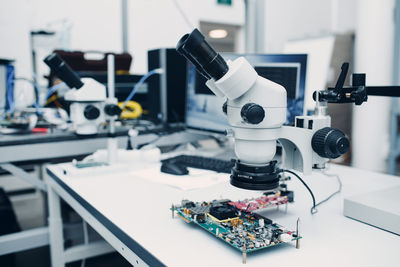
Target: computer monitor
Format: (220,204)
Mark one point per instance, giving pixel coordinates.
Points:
(204,109)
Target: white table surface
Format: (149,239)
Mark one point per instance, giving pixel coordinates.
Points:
(141,209)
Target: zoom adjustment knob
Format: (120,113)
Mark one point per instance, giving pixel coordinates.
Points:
(112,110)
(252,113)
(330,143)
(91,112)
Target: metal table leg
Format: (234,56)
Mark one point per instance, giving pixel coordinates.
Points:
(55,229)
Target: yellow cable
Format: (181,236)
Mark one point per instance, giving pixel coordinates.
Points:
(132,110)
(51,99)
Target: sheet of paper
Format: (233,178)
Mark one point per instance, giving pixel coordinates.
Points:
(196,179)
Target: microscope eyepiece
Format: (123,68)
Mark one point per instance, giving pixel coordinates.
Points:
(63,71)
(179,48)
(181,43)
(196,49)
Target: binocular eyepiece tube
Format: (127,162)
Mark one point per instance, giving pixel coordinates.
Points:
(63,71)
(195,48)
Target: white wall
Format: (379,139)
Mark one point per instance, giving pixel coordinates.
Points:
(14,35)
(293,19)
(157,23)
(96,25)
(373,56)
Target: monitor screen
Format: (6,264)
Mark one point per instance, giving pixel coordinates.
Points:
(204,109)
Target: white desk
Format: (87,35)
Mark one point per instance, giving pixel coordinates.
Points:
(133,215)
(40,149)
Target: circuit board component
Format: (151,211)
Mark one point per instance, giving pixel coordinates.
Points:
(237,223)
(261,203)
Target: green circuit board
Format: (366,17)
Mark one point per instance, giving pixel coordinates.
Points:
(246,231)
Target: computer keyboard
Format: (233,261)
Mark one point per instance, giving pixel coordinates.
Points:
(202,163)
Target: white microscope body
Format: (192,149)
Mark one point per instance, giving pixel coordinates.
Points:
(255,143)
(87,105)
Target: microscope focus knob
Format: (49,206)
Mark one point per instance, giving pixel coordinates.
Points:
(330,143)
(252,113)
(91,112)
(112,110)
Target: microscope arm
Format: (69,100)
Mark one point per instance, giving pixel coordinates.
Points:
(297,152)
(311,143)
(393,91)
(357,93)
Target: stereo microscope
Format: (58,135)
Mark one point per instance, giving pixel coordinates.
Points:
(89,104)
(256,111)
